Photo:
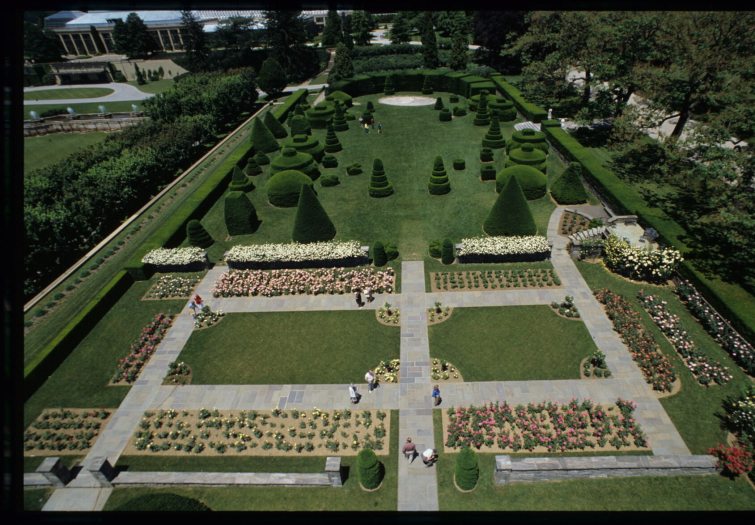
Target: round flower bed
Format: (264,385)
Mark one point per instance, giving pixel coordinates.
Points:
(388,315)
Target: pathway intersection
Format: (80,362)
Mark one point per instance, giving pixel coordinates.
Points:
(417,484)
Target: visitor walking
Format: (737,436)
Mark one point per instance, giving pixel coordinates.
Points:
(198,301)
(358,297)
(353,394)
(368,294)
(436,395)
(370,378)
(409,449)
(380,128)
(366,128)
(429,457)
(193,306)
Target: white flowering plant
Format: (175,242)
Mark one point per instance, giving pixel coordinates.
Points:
(513,246)
(639,263)
(294,252)
(176,257)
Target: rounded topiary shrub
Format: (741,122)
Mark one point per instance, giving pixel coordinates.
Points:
(240,215)
(435,249)
(239,181)
(299,125)
(319,115)
(197,235)
(527,155)
(354,169)
(305,144)
(252,168)
(330,180)
(447,252)
(166,501)
(487,172)
(486,155)
(528,136)
(568,188)
(459,164)
(284,187)
(505,115)
(291,159)
(467,470)
(444,115)
(311,223)
(340,96)
(261,159)
(379,257)
(369,469)
(532,181)
(329,161)
(438,103)
(459,111)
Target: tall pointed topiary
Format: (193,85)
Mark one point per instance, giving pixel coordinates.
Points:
(332,144)
(239,181)
(510,214)
(379,185)
(493,138)
(240,215)
(438,103)
(262,139)
(568,188)
(482,118)
(467,469)
(427,85)
(369,469)
(379,257)
(447,255)
(339,118)
(274,125)
(439,184)
(197,235)
(252,168)
(389,88)
(370,106)
(312,223)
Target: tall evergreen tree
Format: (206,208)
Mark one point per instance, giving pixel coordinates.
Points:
(285,38)
(430,57)
(132,37)
(272,78)
(347,30)
(40,45)
(311,223)
(459,52)
(332,34)
(194,38)
(402,25)
(362,26)
(343,67)
(510,215)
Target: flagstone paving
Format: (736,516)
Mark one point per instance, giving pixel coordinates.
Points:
(417,484)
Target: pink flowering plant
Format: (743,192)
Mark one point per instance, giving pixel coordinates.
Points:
(269,283)
(544,427)
(128,368)
(703,368)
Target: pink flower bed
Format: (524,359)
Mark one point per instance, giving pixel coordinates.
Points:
(268,283)
(545,427)
(129,367)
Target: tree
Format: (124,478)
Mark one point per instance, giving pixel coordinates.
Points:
(459,52)
(272,78)
(342,64)
(285,38)
(430,58)
(467,470)
(332,34)
(197,234)
(369,469)
(510,214)
(311,223)
(347,37)
(40,45)
(132,38)
(493,30)
(401,28)
(194,38)
(360,21)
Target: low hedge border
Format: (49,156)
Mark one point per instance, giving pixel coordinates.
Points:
(279,265)
(532,111)
(55,352)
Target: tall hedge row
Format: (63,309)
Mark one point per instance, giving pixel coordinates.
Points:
(532,111)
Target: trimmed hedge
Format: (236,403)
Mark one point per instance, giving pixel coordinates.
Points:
(306,144)
(379,257)
(261,159)
(239,181)
(284,187)
(319,115)
(568,188)
(281,112)
(459,111)
(493,138)
(329,161)
(487,172)
(438,103)
(369,469)
(528,136)
(510,214)
(330,180)
(379,185)
(435,249)
(444,115)
(262,139)
(354,169)
(339,119)
(252,168)
(447,255)
(340,96)
(459,164)
(467,470)
(332,144)
(163,502)
(274,125)
(197,235)
(482,117)
(299,125)
(532,111)
(527,155)
(439,183)
(531,180)
(311,223)
(240,215)
(290,159)
(486,155)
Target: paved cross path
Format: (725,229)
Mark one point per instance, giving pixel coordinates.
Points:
(417,484)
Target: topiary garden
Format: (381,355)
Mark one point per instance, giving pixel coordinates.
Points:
(284,187)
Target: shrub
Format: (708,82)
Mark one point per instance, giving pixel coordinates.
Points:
(284,187)
(274,125)
(379,257)
(306,144)
(532,181)
(354,169)
(332,144)
(732,461)
(438,103)
(252,168)
(447,252)
(531,111)
(261,159)
(486,155)
(391,251)
(163,502)
(482,118)
(339,119)
(262,139)
(510,214)
(459,111)
(527,155)
(389,87)
(439,184)
(528,136)
(427,85)
(467,469)
(291,159)
(379,185)
(435,249)
(239,181)
(568,188)
(487,172)
(319,115)
(340,97)
(329,161)
(368,469)
(370,106)
(453,98)
(330,180)
(240,215)
(444,115)
(493,138)
(197,235)
(459,164)
(299,125)
(312,223)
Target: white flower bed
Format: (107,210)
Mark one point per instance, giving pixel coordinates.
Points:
(505,245)
(175,256)
(294,252)
(639,263)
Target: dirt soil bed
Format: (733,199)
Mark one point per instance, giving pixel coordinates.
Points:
(84,426)
(494,279)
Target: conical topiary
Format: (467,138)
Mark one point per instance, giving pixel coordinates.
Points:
(299,125)
(493,138)
(389,88)
(284,187)
(427,85)
(312,223)
(379,185)
(261,159)
(274,125)
(379,257)
(439,183)
(447,252)
(467,470)
(369,469)
(370,106)
(482,118)
(240,215)
(332,144)
(252,168)
(510,214)
(262,139)
(197,235)
(438,103)
(239,181)
(339,119)
(568,188)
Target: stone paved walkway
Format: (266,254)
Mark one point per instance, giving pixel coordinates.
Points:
(417,484)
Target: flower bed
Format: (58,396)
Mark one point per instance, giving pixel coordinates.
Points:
(64,431)
(176,259)
(740,350)
(261,432)
(438,314)
(504,249)
(573,222)
(388,315)
(388,371)
(179,373)
(637,263)
(493,279)
(655,366)
(205,317)
(704,369)
(172,287)
(566,308)
(544,427)
(129,367)
(238,283)
(442,370)
(295,255)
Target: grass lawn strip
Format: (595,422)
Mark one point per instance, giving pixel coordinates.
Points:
(64,431)
(60,94)
(51,148)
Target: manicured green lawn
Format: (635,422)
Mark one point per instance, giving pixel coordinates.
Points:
(350,497)
(411,217)
(32,462)
(290,347)
(157,86)
(35,499)
(59,94)
(49,149)
(88,107)
(694,410)
(512,343)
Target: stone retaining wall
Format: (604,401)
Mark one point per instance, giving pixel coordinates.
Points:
(37,128)
(514,470)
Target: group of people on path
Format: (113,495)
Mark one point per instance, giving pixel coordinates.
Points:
(371,379)
(370,124)
(367,293)
(429,456)
(194,304)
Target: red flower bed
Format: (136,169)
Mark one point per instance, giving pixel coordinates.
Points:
(732,461)
(129,367)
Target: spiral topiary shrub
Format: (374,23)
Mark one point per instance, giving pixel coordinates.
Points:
(438,103)
(369,469)
(447,255)
(330,180)
(240,215)
(332,144)
(528,136)
(299,125)
(379,185)
(510,215)
(445,115)
(482,117)
(379,257)
(239,181)
(531,180)
(439,183)
(354,169)
(262,139)
(284,187)
(306,144)
(339,119)
(459,111)
(319,115)
(459,164)
(252,168)
(467,469)
(487,172)
(568,188)
(290,159)
(493,138)
(274,125)
(486,155)
(389,87)
(427,85)
(329,161)
(311,223)
(197,235)
(261,159)
(527,155)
